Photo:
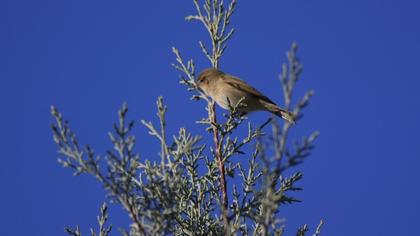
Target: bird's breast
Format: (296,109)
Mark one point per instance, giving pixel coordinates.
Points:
(225,94)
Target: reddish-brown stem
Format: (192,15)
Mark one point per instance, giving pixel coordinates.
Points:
(221,164)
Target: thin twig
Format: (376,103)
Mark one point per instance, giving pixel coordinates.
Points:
(220,162)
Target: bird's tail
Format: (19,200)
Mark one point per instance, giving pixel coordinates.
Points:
(288,116)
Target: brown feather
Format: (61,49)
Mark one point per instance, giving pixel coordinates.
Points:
(225,89)
(241,85)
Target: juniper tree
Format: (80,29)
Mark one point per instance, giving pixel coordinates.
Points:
(186,192)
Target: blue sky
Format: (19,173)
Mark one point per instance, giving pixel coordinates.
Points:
(88,57)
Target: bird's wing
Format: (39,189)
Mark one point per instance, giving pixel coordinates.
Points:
(241,85)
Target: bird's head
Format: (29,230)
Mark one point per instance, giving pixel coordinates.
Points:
(206,78)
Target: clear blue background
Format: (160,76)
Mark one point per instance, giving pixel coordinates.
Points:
(87,57)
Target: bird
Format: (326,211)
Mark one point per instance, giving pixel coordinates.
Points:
(227,90)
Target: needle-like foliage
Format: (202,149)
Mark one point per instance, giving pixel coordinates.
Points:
(185,191)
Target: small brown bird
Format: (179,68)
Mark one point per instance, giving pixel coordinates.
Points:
(225,89)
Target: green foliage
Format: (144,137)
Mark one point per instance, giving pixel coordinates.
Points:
(186,192)
(102,218)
